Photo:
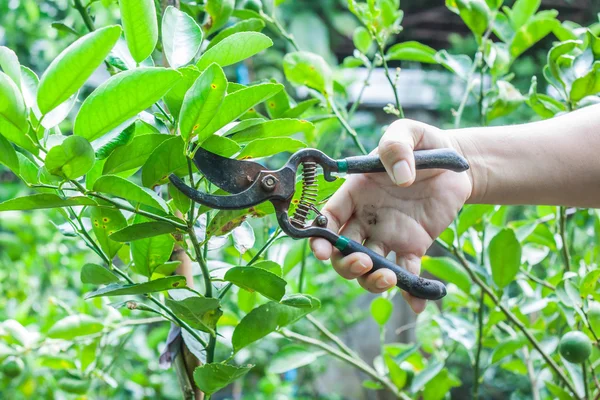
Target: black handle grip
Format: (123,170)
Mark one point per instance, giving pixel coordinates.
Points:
(424,159)
(413,284)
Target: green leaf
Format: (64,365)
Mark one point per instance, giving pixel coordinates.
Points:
(381,310)
(505,257)
(308,69)
(57,362)
(142,230)
(125,189)
(448,270)
(211,378)
(267,147)
(543,105)
(508,347)
(97,275)
(458,64)
(472,215)
(589,283)
(202,101)
(13,114)
(134,154)
(426,375)
(274,128)
(181,37)
(237,104)
(122,139)
(257,279)
(397,375)
(150,253)
(141,27)
(71,69)
(74,326)
(292,357)
(167,158)
(106,221)
(440,385)
(174,97)
(157,285)
(249,25)
(558,392)
(221,145)
(270,266)
(121,98)
(412,51)
(300,109)
(44,200)
(266,319)
(505,101)
(166,269)
(234,49)
(300,301)
(522,11)
(587,85)
(8,155)
(181,201)
(72,159)
(531,33)
(73,385)
(362,39)
(219,12)
(199,312)
(475,14)
(9,62)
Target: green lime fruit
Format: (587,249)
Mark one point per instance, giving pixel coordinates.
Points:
(12,367)
(253,5)
(575,347)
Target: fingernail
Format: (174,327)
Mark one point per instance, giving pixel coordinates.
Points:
(401,172)
(382,283)
(358,268)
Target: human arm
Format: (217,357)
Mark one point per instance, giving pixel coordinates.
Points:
(550,162)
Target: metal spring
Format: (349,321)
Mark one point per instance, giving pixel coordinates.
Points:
(308,197)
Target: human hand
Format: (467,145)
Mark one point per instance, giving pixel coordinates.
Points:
(399,211)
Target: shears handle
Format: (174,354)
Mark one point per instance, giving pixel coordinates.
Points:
(424,159)
(415,285)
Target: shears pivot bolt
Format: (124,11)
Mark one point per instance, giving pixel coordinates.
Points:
(321,221)
(269,182)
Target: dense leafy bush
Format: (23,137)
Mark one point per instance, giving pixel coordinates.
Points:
(519,277)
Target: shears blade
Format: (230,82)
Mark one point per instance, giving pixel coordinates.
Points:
(233,176)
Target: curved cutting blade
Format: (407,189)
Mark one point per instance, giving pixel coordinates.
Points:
(233,176)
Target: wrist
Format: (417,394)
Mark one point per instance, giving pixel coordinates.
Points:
(465,143)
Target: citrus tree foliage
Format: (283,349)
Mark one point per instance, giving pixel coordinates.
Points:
(98,161)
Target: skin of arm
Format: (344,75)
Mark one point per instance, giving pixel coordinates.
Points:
(552,162)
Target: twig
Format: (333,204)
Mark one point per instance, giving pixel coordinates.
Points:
(551,363)
(357,102)
(563,237)
(347,126)
(536,279)
(361,365)
(331,336)
(87,20)
(535,394)
(479,346)
(391,81)
(586,389)
(302,266)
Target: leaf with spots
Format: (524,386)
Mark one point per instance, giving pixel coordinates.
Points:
(106,221)
(202,101)
(157,285)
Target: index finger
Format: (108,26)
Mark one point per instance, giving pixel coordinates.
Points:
(338,211)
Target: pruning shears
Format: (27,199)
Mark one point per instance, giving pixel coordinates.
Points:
(249,184)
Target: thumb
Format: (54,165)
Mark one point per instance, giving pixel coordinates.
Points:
(396,151)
